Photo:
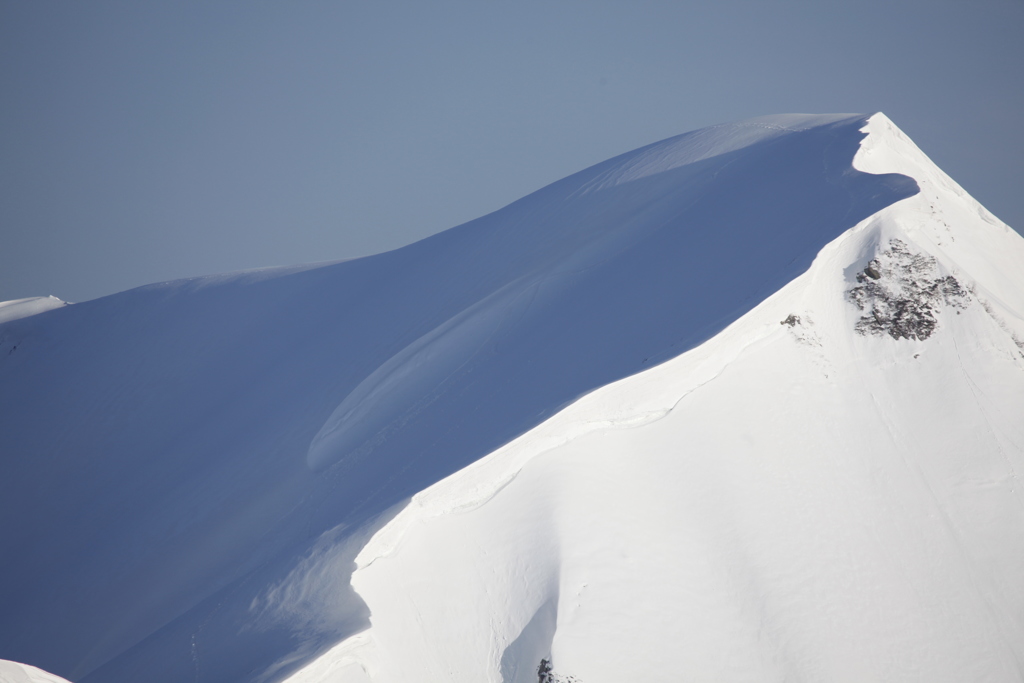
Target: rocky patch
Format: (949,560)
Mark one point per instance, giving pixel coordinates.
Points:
(792,320)
(901,293)
(546,675)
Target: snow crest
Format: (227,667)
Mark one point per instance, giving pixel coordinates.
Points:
(782,502)
(198,463)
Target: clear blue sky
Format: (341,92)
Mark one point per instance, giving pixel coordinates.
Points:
(146,141)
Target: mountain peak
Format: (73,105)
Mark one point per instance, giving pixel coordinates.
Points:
(241,471)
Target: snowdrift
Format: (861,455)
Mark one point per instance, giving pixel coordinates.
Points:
(219,479)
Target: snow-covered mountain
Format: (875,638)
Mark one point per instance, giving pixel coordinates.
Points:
(800,351)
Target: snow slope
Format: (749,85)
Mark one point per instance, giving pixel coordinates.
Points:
(191,468)
(811,495)
(22,308)
(13,672)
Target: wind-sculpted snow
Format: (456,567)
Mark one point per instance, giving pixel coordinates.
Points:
(171,453)
(22,308)
(788,501)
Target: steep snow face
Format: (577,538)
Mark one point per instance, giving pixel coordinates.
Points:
(181,460)
(804,497)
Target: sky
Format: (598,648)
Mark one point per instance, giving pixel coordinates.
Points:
(143,142)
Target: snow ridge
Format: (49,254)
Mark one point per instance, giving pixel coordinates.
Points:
(196,460)
(782,502)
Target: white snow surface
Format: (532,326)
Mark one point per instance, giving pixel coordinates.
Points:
(14,672)
(22,308)
(366,470)
(785,502)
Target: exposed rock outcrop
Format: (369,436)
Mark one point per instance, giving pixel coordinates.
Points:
(901,292)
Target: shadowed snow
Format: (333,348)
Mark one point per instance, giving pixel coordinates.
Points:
(172,452)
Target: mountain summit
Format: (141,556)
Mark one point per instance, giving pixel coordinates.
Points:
(739,405)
